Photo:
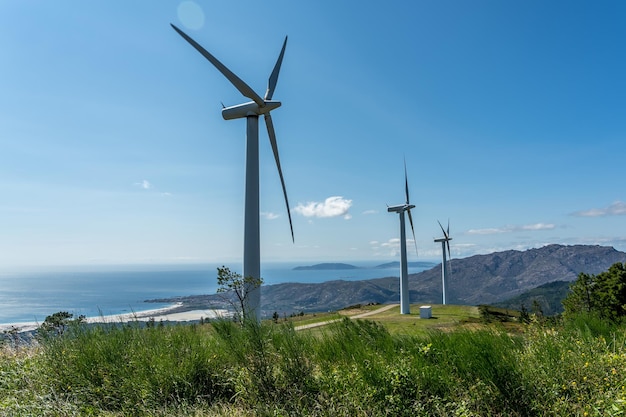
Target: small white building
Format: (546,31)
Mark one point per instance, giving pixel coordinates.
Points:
(426,312)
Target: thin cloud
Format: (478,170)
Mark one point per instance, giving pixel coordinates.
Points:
(366,212)
(331,207)
(511,229)
(145,184)
(392,246)
(269,215)
(616,209)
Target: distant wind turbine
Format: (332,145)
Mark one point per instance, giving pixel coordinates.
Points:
(251,111)
(404,274)
(445,243)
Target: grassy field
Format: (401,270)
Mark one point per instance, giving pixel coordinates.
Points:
(443,317)
(387,364)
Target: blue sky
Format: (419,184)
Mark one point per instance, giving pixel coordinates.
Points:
(511,117)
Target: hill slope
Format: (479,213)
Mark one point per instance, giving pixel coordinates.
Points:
(548,297)
(480,279)
(486,279)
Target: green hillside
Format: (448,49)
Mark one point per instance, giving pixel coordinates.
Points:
(547,298)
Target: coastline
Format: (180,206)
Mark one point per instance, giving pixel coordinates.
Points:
(176,312)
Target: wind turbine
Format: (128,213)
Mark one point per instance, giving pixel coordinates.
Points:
(404,273)
(445,242)
(251,111)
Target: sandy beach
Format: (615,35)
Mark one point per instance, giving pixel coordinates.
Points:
(174,313)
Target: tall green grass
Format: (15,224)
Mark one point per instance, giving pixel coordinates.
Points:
(120,367)
(350,368)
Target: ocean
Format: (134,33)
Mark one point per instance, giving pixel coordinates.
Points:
(112,290)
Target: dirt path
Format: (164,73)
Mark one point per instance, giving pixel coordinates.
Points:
(357,316)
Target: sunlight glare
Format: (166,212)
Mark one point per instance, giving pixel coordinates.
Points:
(190,15)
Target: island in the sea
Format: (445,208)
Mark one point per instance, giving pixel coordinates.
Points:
(325,267)
(342,266)
(396,264)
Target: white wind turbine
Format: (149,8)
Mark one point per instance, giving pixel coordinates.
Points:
(404,273)
(251,111)
(445,244)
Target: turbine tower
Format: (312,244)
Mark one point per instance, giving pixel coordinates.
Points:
(445,243)
(251,111)
(404,273)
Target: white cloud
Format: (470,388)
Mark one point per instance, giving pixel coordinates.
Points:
(145,184)
(269,215)
(331,207)
(490,231)
(618,208)
(537,226)
(394,242)
(512,228)
(366,212)
(392,246)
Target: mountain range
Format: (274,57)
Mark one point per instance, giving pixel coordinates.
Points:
(342,266)
(479,279)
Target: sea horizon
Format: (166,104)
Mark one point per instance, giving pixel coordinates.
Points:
(28,296)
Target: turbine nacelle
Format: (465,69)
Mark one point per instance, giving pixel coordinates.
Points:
(400,209)
(250,108)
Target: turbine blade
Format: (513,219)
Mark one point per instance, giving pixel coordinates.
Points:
(271,83)
(272,134)
(444,232)
(412,229)
(448,244)
(239,84)
(448,229)
(406,183)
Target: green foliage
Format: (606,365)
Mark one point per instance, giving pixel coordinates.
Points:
(352,367)
(237,287)
(547,297)
(270,364)
(603,294)
(57,323)
(119,366)
(490,314)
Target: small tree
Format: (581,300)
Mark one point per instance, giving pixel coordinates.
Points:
(580,297)
(524,316)
(58,322)
(14,334)
(236,287)
(603,294)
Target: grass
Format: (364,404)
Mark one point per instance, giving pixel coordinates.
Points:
(443,316)
(378,366)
